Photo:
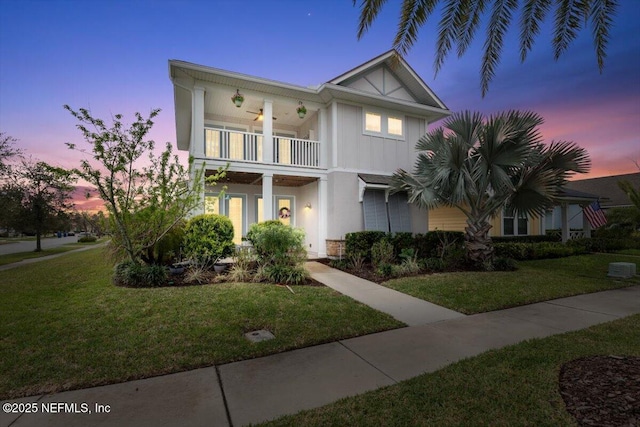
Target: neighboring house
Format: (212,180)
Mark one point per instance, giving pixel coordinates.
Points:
(605,189)
(507,224)
(326,170)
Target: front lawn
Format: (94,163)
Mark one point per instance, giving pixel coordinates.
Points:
(535,281)
(514,386)
(17,257)
(63,325)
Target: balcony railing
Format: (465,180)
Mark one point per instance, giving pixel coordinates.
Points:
(248,147)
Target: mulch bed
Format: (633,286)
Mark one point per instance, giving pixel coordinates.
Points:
(178,280)
(602,390)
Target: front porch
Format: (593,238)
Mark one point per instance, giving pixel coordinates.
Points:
(251,197)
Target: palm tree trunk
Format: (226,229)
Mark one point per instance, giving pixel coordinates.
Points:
(478,243)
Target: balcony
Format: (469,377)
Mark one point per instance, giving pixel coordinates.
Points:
(249,147)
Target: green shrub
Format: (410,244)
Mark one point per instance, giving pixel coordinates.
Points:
(409,266)
(434,264)
(286,274)
(546,250)
(360,243)
(437,243)
(357,261)
(382,253)
(407,253)
(280,252)
(87,239)
(550,237)
(513,250)
(168,249)
(604,244)
(207,238)
(504,264)
(385,270)
(134,275)
(541,250)
(241,269)
(340,264)
(402,241)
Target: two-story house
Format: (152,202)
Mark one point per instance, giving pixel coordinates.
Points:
(319,158)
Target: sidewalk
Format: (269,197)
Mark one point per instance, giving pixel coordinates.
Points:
(260,389)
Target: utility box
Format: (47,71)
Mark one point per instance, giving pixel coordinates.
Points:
(622,270)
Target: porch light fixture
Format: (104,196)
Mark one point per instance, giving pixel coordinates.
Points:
(301,110)
(308,205)
(238,98)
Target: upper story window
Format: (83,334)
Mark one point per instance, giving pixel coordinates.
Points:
(382,124)
(372,122)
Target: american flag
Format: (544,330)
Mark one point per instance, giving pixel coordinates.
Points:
(595,215)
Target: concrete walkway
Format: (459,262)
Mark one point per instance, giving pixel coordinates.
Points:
(265,388)
(405,308)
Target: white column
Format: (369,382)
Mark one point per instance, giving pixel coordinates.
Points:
(565,222)
(322,217)
(586,225)
(323,137)
(267,196)
(267,132)
(199,209)
(197,129)
(334,134)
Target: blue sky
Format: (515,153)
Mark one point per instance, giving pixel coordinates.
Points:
(111,57)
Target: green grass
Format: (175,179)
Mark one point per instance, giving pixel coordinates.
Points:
(634,252)
(17,257)
(540,280)
(64,326)
(514,386)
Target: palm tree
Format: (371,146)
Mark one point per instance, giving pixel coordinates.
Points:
(481,166)
(460,19)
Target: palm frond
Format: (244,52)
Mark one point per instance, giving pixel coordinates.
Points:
(413,15)
(469,25)
(453,15)
(601,13)
(419,191)
(533,13)
(432,141)
(465,124)
(496,30)
(535,191)
(568,157)
(369,10)
(568,22)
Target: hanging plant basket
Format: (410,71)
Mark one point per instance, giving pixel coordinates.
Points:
(238,98)
(301,110)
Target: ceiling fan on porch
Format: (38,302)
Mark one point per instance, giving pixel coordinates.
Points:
(259,116)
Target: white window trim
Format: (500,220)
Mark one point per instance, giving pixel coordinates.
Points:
(384,117)
(223,207)
(515,225)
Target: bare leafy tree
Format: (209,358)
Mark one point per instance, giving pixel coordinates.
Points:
(37,197)
(144,203)
(8,151)
(460,20)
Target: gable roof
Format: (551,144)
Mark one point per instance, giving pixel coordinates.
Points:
(606,188)
(392,62)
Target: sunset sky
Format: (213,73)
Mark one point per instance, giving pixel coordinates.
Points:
(111,57)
